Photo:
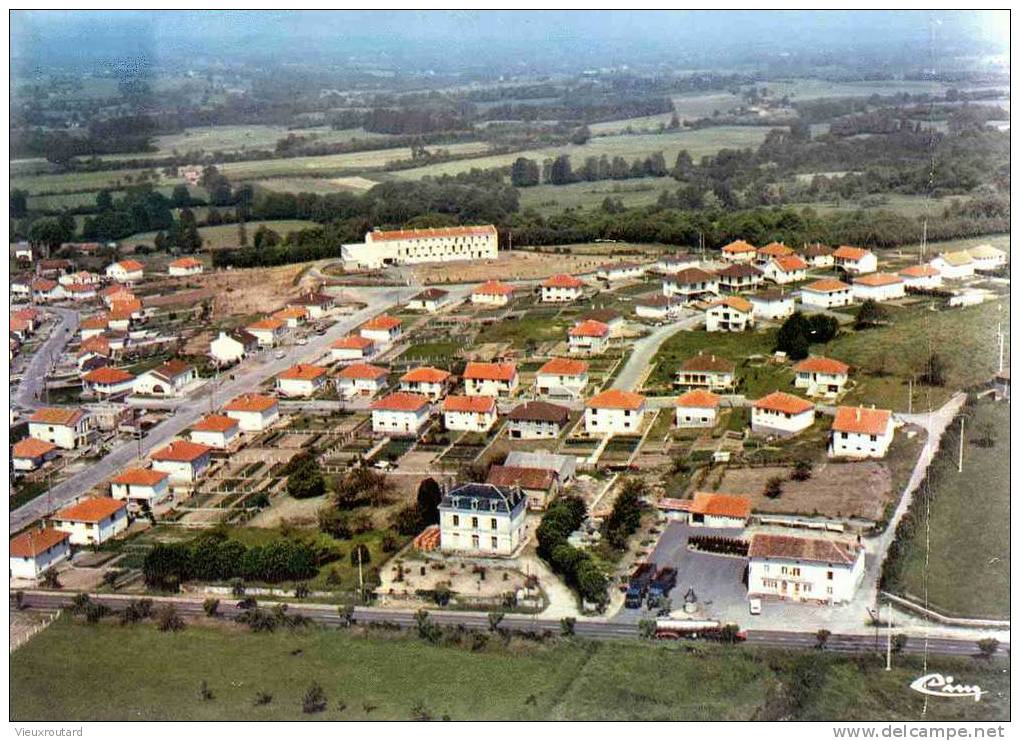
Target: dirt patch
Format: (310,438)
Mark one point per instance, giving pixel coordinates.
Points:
(509,266)
(838,490)
(297,512)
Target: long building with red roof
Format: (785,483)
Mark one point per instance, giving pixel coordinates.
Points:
(412,246)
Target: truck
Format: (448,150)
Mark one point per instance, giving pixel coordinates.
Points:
(664,581)
(710,630)
(637,587)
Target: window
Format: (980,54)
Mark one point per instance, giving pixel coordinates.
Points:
(795,571)
(783,570)
(474,541)
(492,523)
(828,590)
(828,575)
(474,522)
(495,542)
(456,520)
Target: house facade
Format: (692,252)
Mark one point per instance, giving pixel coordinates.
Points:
(125,271)
(804,569)
(382,330)
(564,378)
(412,246)
(492,293)
(400,414)
(772,305)
(302,380)
(361,379)
(169,379)
(185,266)
(860,432)
(216,431)
(232,347)
(716,510)
(854,260)
(253,412)
(92,520)
(65,428)
(562,288)
(36,551)
(30,453)
(430,300)
(690,285)
(820,376)
(827,293)
(588,338)
(482,519)
(469,413)
(536,420)
(614,412)
(141,487)
(268,332)
(185,461)
(954,265)
(781,414)
(739,251)
(612,272)
(431,382)
(878,287)
(490,379)
(539,485)
(731,314)
(709,372)
(787,269)
(922,277)
(352,347)
(739,277)
(698,408)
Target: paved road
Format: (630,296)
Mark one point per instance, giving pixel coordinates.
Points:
(644,350)
(246,379)
(589,628)
(33,378)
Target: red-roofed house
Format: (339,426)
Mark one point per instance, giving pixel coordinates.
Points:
(267,331)
(185,266)
(739,251)
(125,271)
(712,509)
(879,287)
(826,293)
(821,376)
(432,382)
(730,314)
(409,246)
(785,269)
(490,379)
(185,461)
(215,430)
(804,569)
(854,260)
(697,408)
(400,414)
(292,316)
(66,428)
(38,550)
(141,486)
(301,380)
(562,378)
(92,520)
(588,338)
(858,432)
(31,453)
(614,412)
(921,276)
(492,293)
(361,379)
(169,379)
(561,288)
(253,412)
(352,347)
(781,414)
(108,382)
(469,413)
(382,329)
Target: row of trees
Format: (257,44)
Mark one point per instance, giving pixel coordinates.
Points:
(577,567)
(525,172)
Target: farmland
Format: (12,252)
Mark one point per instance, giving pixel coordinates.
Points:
(225,235)
(382,675)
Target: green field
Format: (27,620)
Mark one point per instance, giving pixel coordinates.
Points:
(225,235)
(319,186)
(548,199)
(239,138)
(965,562)
(698,143)
(147,675)
(735,346)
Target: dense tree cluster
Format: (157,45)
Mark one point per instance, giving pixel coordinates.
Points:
(577,567)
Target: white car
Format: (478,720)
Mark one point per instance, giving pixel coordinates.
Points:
(754,605)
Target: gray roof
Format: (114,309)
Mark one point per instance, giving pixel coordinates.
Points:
(565,466)
(484,498)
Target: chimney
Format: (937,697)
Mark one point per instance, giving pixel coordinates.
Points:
(858,414)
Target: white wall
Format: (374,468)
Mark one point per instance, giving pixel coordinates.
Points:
(612,421)
(767,577)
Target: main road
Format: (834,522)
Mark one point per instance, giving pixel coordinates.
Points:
(33,378)
(245,378)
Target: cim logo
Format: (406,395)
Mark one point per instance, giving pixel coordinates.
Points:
(938,685)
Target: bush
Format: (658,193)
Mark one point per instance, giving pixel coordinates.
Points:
(719,544)
(262,698)
(567,626)
(167,620)
(301,590)
(211,606)
(801,470)
(204,693)
(774,487)
(314,700)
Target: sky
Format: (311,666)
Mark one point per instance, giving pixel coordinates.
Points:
(472,37)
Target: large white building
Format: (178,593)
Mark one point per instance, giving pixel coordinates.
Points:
(409,246)
(804,569)
(482,519)
(614,412)
(859,432)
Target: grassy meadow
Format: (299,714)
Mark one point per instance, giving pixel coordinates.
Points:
(225,235)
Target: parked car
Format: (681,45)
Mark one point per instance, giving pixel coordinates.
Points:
(754,605)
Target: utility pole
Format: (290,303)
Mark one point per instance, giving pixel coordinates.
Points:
(910,395)
(888,637)
(959,465)
(361,578)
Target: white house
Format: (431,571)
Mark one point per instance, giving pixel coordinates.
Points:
(65,428)
(716,510)
(804,569)
(316,304)
(382,330)
(689,285)
(878,287)
(562,377)
(169,379)
(697,408)
(216,431)
(400,413)
(821,376)
(267,331)
(670,264)
(922,277)
(469,413)
(125,271)
(492,293)
(588,338)
(764,255)
(430,300)
(80,291)
(854,260)
(827,293)
(30,453)
(987,258)
(361,379)
(730,314)
(301,380)
(562,288)
(738,277)
(232,347)
(292,316)
(614,412)
(253,412)
(819,256)
(108,382)
(411,246)
(36,551)
(482,519)
(787,269)
(772,305)
(739,251)
(44,290)
(658,307)
(954,265)
(710,372)
(140,486)
(185,461)
(185,266)
(536,420)
(92,520)
(431,382)
(490,379)
(539,485)
(615,271)
(781,414)
(858,432)
(352,347)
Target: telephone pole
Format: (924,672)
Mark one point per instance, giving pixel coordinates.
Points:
(910,395)
(959,465)
(888,637)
